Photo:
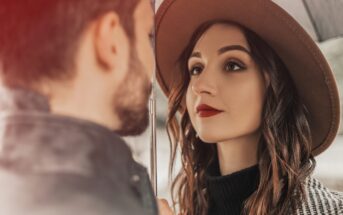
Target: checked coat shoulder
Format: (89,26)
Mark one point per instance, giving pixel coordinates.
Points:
(320,200)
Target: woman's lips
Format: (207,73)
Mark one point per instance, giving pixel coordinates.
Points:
(204,110)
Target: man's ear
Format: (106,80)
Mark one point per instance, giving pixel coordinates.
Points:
(109,33)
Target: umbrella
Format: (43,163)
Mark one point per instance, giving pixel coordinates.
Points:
(326,17)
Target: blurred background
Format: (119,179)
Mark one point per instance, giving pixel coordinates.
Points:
(323,21)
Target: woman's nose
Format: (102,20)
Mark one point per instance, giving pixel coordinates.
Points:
(204,84)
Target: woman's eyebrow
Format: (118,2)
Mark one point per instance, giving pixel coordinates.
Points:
(195,54)
(223,50)
(233,48)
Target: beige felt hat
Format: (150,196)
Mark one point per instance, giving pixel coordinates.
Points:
(176,21)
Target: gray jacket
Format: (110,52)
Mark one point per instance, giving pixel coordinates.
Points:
(51,164)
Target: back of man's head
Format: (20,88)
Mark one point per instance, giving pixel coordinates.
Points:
(39,38)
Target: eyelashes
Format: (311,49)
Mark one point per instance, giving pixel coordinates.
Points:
(234,65)
(231,65)
(196,69)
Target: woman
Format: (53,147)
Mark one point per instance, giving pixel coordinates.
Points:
(257,101)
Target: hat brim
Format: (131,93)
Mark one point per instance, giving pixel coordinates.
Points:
(176,20)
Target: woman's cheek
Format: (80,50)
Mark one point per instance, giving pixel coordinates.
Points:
(190,102)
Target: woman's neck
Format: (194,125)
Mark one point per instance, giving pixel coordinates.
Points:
(237,154)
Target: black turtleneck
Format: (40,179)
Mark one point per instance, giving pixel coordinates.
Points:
(228,193)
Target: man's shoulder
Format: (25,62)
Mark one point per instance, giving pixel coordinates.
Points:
(61,193)
(67,164)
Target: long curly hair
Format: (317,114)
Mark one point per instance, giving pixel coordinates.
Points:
(284,152)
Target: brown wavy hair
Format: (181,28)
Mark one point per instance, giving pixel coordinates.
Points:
(284,152)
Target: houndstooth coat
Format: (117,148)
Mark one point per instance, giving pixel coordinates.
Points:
(320,200)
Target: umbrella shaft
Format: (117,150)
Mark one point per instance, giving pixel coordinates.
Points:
(153,146)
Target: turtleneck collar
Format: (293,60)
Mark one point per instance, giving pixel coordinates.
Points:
(228,193)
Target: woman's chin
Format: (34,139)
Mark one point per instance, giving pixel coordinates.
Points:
(208,138)
(213,137)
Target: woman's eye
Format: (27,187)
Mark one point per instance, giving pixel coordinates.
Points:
(195,70)
(233,66)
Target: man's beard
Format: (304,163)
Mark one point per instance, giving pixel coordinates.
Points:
(131,99)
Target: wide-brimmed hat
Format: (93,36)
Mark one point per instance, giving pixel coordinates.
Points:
(176,21)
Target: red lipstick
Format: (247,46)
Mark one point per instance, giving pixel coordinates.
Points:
(207,111)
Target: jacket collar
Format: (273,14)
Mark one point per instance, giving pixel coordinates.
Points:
(33,139)
(20,99)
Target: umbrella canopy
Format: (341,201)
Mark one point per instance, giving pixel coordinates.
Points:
(326,17)
(321,18)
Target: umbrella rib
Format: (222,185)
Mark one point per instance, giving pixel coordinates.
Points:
(314,24)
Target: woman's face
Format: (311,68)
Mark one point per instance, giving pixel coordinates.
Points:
(225,95)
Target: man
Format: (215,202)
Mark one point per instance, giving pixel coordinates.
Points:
(72,72)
